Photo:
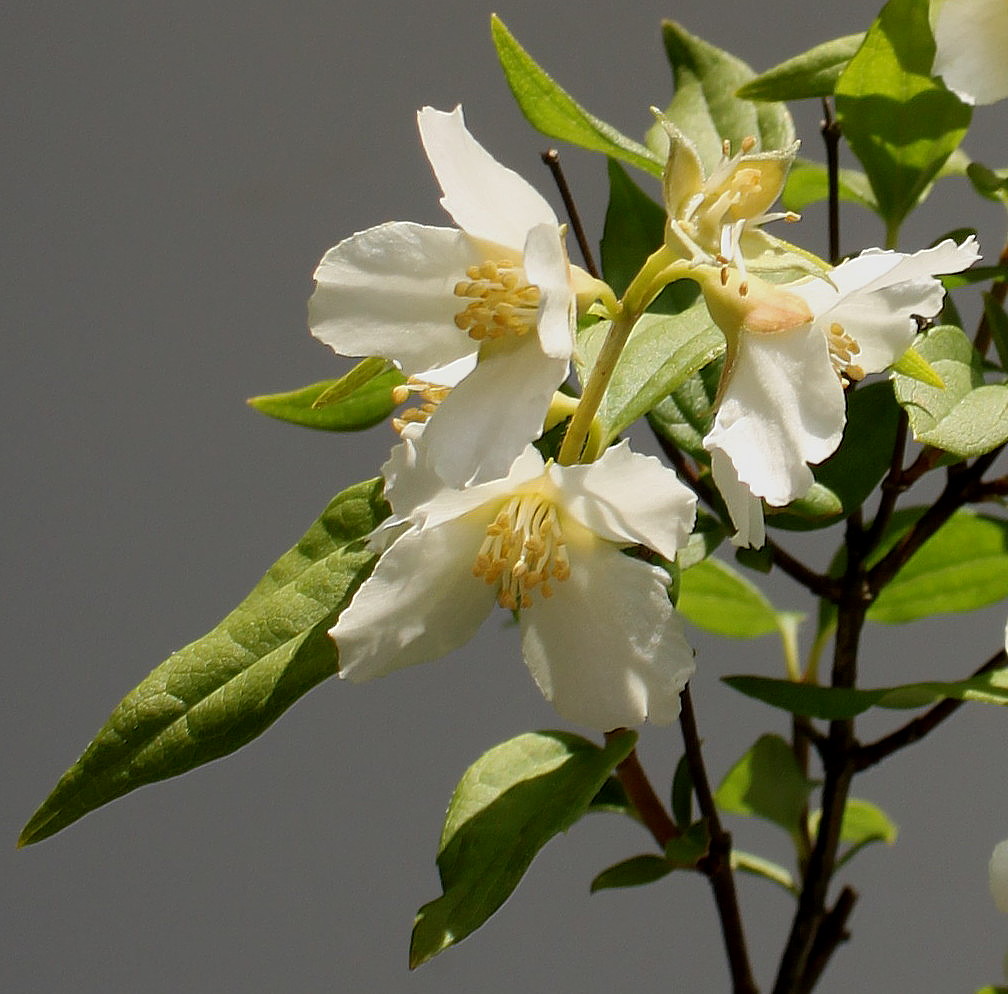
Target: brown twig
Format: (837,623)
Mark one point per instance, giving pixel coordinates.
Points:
(638,789)
(830,130)
(552,160)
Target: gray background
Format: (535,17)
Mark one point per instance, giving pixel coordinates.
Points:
(171,174)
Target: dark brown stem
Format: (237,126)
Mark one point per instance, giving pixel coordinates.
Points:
(638,789)
(892,486)
(913,731)
(999,291)
(831,138)
(552,160)
(821,586)
(832,932)
(716,865)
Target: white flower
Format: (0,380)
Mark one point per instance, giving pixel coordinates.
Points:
(487,308)
(971,37)
(599,632)
(791,350)
(998,876)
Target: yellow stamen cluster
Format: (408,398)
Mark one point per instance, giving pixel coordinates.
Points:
(501,302)
(523,549)
(842,349)
(430,393)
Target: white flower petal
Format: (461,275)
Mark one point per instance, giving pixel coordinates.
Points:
(546,266)
(409,478)
(998,872)
(746,511)
(627,498)
(782,408)
(388,291)
(420,602)
(608,647)
(971,38)
(487,200)
(489,418)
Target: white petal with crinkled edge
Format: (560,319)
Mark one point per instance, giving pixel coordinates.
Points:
(546,266)
(875,294)
(782,408)
(485,198)
(627,498)
(745,510)
(420,602)
(488,419)
(971,38)
(607,649)
(389,291)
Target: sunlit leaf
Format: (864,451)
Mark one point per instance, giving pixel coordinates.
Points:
(812,74)
(715,597)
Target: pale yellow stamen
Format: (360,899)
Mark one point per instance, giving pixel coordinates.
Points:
(501,302)
(842,350)
(432,394)
(524,547)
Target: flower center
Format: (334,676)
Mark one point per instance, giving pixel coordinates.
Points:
(430,393)
(523,549)
(842,350)
(501,303)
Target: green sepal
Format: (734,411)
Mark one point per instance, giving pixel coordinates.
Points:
(506,807)
(360,399)
(704,105)
(554,112)
(915,367)
(966,418)
(900,122)
(812,74)
(219,692)
(830,703)
(767,783)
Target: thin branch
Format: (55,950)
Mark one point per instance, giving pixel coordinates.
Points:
(552,160)
(716,865)
(830,131)
(892,486)
(913,731)
(832,931)
(638,788)
(819,584)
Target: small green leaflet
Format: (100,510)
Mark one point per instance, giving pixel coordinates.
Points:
(220,692)
(812,74)
(506,807)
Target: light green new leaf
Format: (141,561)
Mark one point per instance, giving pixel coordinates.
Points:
(767,783)
(962,567)
(661,354)
(358,400)
(713,596)
(900,123)
(223,690)
(555,113)
(831,703)
(863,824)
(967,417)
(808,183)
(705,106)
(812,74)
(507,806)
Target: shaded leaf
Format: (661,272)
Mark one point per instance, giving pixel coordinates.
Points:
(682,793)
(506,807)
(686,415)
(767,783)
(812,74)
(633,872)
(223,690)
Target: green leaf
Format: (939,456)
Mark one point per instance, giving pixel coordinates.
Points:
(682,793)
(223,690)
(863,824)
(900,123)
(716,598)
(633,872)
(708,534)
(705,106)
(757,866)
(831,703)
(555,113)
(812,74)
(989,183)
(962,567)
(507,806)
(808,183)
(661,354)
(913,365)
(358,400)
(612,799)
(967,417)
(997,322)
(686,415)
(767,783)
(974,275)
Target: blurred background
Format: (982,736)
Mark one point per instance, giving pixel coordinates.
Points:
(172,172)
